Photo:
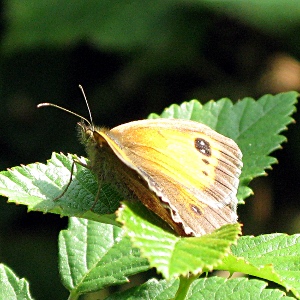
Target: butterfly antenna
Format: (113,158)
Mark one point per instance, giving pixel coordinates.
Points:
(69,111)
(87,104)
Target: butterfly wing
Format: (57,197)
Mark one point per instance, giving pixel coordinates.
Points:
(192,169)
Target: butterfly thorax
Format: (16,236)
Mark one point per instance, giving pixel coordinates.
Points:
(97,152)
(102,161)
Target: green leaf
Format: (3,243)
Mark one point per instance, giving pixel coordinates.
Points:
(203,289)
(11,287)
(151,290)
(94,255)
(103,23)
(253,125)
(165,251)
(37,185)
(274,17)
(274,257)
(238,288)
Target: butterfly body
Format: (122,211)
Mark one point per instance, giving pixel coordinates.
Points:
(182,170)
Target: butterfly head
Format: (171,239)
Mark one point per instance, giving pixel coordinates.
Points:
(86,133)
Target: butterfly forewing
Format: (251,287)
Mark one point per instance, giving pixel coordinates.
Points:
(192,169)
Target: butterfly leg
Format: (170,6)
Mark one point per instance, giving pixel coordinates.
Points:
(70,180)
(97,197)
(75,161)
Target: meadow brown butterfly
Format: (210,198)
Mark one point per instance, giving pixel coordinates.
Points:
(182,170)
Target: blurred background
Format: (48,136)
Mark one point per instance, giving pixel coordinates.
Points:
(134,58)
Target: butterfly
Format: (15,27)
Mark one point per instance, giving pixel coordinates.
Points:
(182,170)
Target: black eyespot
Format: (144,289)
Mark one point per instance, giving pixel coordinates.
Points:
(203,146)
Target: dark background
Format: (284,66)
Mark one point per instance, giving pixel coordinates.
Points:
(134,58)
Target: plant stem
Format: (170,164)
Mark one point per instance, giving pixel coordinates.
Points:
(184,285)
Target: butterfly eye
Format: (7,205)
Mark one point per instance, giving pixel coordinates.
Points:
(203,146)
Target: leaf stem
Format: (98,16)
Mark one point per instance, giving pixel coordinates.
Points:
(73,296)
(184,286)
